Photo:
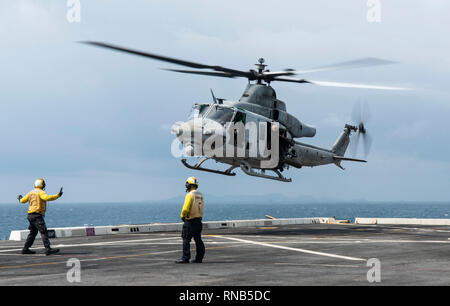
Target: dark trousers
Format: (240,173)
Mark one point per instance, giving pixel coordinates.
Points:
(193,229)
(37,224)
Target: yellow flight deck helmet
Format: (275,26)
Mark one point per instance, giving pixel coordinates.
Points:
(39,183)
(191,181)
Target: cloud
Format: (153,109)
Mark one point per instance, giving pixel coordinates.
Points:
(413,130)
(99,121)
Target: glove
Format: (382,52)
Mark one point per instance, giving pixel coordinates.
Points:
(19,197)
(60,192)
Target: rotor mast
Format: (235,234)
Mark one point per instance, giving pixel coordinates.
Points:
(261,68)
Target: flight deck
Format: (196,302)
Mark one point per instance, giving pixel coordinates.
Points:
(297,254)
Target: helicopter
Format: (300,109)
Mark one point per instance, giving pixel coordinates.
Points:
(256,133)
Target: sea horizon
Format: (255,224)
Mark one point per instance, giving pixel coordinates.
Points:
(13,216)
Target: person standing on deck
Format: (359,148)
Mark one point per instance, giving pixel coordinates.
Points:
(192,214)
(37,200)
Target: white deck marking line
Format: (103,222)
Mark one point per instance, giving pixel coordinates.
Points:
(290,249)
(180,242)
(91,259)
(14,254)
(364,241)
(319,265)
(129,256)
(117,244)
(94,244)
(106,257)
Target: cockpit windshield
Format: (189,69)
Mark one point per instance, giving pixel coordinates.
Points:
(220,114)
(198,110)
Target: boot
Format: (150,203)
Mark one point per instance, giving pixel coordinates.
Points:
(51,251)
(28,251)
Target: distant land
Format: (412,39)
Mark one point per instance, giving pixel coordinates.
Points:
(277,198)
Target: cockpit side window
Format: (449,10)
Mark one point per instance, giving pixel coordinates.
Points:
(220,114)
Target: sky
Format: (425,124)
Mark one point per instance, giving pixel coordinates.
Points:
(98,122)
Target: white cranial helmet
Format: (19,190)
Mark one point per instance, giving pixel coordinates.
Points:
(39,183)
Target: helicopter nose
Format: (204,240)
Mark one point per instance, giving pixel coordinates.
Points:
(176,129)
(183,129)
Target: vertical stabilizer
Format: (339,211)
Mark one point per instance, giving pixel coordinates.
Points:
(341,144)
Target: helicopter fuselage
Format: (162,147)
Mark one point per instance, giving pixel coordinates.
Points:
(258,104)
(214,126)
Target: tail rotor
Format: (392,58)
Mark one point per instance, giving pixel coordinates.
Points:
(360,116)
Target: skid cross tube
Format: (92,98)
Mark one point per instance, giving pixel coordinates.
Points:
(249,171)
(197,166)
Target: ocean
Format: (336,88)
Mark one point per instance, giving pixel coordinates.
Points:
(13,216)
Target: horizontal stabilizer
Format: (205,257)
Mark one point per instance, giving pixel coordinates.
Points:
(339,158)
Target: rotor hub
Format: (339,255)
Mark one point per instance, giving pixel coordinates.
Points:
(361,128)
(261,65)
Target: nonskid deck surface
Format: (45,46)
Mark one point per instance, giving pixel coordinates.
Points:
(317,254)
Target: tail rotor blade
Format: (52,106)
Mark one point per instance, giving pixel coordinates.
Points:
(354,144)
(365,113)
(367,139)
(356,112)
(360,116)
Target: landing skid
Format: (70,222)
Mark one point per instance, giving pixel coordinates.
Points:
(250,171)
(197,166)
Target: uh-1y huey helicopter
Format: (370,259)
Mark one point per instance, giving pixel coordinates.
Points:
(259,105)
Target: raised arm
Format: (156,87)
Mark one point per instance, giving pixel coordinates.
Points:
(47,197)
(23,199)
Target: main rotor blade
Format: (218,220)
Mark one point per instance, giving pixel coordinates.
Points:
(283,79)
(278,73)
(359,63)
(209,73)
(339,84)
(167,59)
(353,85)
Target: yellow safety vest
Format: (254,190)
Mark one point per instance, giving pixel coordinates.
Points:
(193,205)
(37,200)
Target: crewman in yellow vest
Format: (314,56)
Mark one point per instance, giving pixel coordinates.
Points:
(37,200)
(192,214)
